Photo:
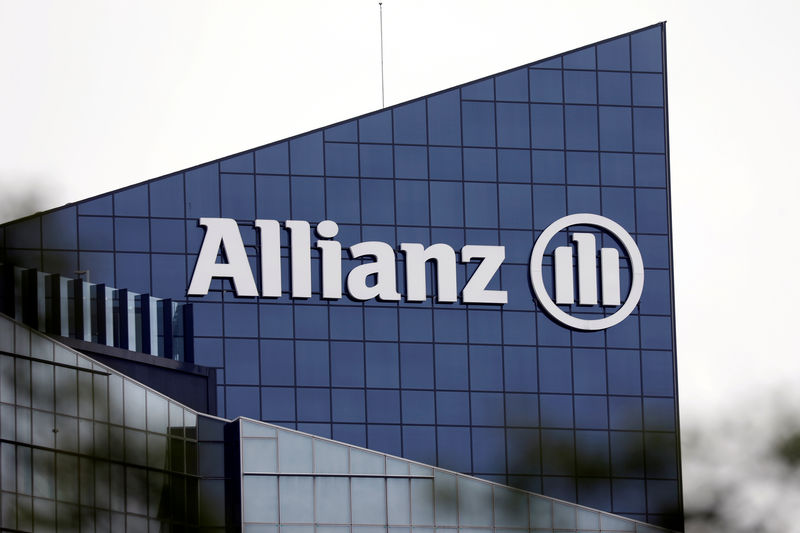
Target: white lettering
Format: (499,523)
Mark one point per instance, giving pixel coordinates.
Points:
(416,258)
(222,233)
(475,291)
(383,267)
(300,255)
(331,260)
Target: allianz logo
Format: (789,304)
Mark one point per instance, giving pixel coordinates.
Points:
(377,277)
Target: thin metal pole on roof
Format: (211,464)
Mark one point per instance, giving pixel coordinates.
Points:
(383,101)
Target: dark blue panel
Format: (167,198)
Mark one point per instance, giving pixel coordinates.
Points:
(306,154)
(591,412)
(380,324)
(583,199)
(95,233)
(484,326)
(97,206)
(548,126)
(133,272)
(512,85)
(615,128)
(347,132)
(313,405)
(590,371)
(488,451)
(241,363)
(454,448)
(651,170)
(65,263)
(100,266)
(556,410)
(444,118)
(416,325)
(479,90)
(614,55)
(555,370)
(347,364)
(132,234)
(648,130)
(445,163)
(409,123)
(583,168)
(59,231)
(581,127)
(514,165)
(131,202)
(417,407)
(625,412)
(238,163)
(276,320)
(206,316)
(660,455)
(348,405)
(480,164)
(450,325)
(646,50)
(308,198)
(411,162)
(376,161)
(277,362)
(618,205)
(208,352)
(657,377)
(581,59)
(352,433)
(548,166)
(657,293)
(659,414)
(346,323)
(273,159)
(385,439)
(412,202)
(523,451)
(383,406)
(169,277)
(272,198)
(277,404)
(486,368)
(241,401)
(614,88)
(651,211)
(513,128)
(312,363)
(558,448)
(451,367)
(616,169)
(545,85)
(518,328)
(629,495)
(202,192)
(167,235)
(383,368)
(487,408)
(416,366)
(447,197)
(342,200)
(627,454)
(648,89)
(592,454)
(580,87)
(655,250)
(521,374)
(522,410)
(481,205)
(452,408)
(478,126)
(623,372)
(341,159)
(310,321)
(376,128)
(419,444)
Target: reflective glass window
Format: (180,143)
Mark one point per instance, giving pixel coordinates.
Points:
(557,443)
(97,206)
(383,406)
(273,159)
(242,401)
(580,59)
(452,408)
(305,154)
(514,165)
(95,233)
(455,451)
(409,123)
(312,363)
(548,126)
(522,410)
(133,272)
(166,197)
(445,163)
(347,364)
(580,87)
(488,453)
(589,371)
(272,198)
(648,129)
(342,200)
(555,372)
(556,410)
(614,55)
(591,412)
(515,206)
(384,438)
(487,408)
(310,321)
(417,407)
(657,373)
(202,191)
(648,89)
(416,324)
(479,90)
(376,127)
(59,230)
(548,166)
(411,162)
(377,201)
(341,159)
(583,168)
(513,129)
(651,170)
(479,123)
(447,199)
(512,86)
(615,128)
(380,324)
(481,204)
(241,357)
(646,50)
(277,404)
(581,127)
(308,198)
(416,365)
(480,164)
(412,202)
(348,405)
(545,85)
(659,415)
(625,412)
(623,372)
(444,118)
(346,323)
(238,192)
(614,88)
(651,211)
(451,366)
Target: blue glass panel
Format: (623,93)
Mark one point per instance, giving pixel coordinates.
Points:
(347,132)
(416,366)
(616,169)
(321,429)
(346,323)
(308,198)
(614,88)
(614,55)
(347,364)
(583,168)
(445,163)
(351,433)
(648,89)
(277,362)
(580,87)
(522,409)
(348,405)
(417,407)
(488,451)
(646,50)
(241,362)
(657,376)
(648,129)
(656,296)
(273,159)
(583,199)
(545,85)
(131,202)
(454,449)
(625,412)
(554,62)
(651,211)
(96,233)
(276,320)
(518,249)
(378,233)
(484,327)
(486,368)
(444,118)
(660,455)
(623,372)
(659,414)
(313,405)
(383,369)
(383,406)
(277,404)
(591,412)
(208,352)
(481,204)
(167,235)
(411,161)
(550,333)
(555,370)
(132,234)
(558,449)
(592,454)
(376,127)
(518,328)
(618,205)
(238,163)
(376,161)
(548,126)
(241,401)
(96,206)
(447,197)
(451,366)
(59,230)
(513,129)
(480,90)
(416,325)
(514,165)
(312,363)
(556,410)
(419,444)
(380,324)
(452,407)
(310,321)
(133,272)
(629,495)
(615,128)
(206,315)
(412,202)
(241,320)
(512,85)
(272,198)
(202,192)
(581,127)
(548,166)
(409,123)
(627,454)
(341,159)
(590,371)
(385,439)
(450,325)
(478,126)
(520,369)
(523,451)
(487,408)
(580,59)
(65,263)
(480,164)
(651,170)
(655,250)
(306,154)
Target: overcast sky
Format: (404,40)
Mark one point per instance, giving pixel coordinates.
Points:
(99,95)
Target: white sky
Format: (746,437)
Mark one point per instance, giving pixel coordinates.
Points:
(98,95)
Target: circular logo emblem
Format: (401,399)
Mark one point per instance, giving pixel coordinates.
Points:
(627,242)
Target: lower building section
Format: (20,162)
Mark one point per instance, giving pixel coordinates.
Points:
(85,447)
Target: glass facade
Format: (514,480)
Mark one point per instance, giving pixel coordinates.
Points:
(502,392)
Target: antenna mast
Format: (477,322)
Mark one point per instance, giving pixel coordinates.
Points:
(380,9)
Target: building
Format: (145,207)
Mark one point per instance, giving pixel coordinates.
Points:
(422,282)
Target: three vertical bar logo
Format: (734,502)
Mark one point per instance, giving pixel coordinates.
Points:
(585,243)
